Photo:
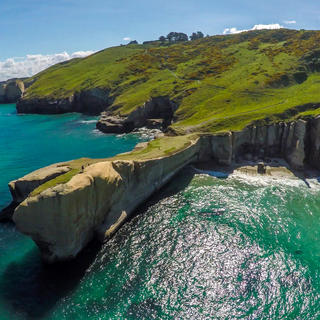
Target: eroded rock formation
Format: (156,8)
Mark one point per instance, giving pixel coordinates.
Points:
(62,219)
(91,101)
(11,91)
(155,113)
(286,140)
(21,188)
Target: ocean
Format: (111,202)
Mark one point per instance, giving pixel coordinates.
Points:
(205,247)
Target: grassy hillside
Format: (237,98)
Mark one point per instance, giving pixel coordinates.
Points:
(220,82)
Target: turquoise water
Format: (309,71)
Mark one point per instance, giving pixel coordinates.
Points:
(203,248)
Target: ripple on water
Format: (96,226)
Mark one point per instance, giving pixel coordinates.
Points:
(173,261)
(205,247)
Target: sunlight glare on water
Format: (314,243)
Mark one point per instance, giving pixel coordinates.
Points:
(203,248)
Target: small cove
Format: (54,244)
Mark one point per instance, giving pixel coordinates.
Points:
(204,247)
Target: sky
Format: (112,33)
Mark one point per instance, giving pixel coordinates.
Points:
(37,33)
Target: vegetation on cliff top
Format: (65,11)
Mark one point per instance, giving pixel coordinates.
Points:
(220,82)
(151,150)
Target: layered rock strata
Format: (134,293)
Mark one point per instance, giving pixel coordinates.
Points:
(64,218)
(294,142)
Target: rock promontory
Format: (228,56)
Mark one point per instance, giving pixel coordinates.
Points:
(63,218)
(64,206)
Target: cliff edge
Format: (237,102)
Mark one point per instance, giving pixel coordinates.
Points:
(64,206)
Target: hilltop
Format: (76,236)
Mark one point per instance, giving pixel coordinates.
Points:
(216,83)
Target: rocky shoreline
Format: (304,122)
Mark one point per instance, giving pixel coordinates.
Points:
(97,198)
(157,113)
(62,219)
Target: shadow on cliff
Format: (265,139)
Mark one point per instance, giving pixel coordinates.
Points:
(178,183)
(32,288)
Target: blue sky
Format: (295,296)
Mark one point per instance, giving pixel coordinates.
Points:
(48,27)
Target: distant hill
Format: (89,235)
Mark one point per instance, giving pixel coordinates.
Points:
(219,82)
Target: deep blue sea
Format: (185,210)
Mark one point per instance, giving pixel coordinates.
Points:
(202,248)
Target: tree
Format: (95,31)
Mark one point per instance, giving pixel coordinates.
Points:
(200,35)
(133,42)
(171,37)
(196,35)
(177,37)
(182,37)
(162,39)
(193,36)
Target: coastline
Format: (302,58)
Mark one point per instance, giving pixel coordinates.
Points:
(274,167)
(90,198)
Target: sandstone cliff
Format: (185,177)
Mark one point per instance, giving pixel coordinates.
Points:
(286,140)
(63,218)
(21,188)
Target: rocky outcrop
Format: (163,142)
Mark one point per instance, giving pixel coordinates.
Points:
(63,219)
(46,106)
(21,188)
(11,91)
(2,93)
(92,101)
(258,142)
(157,113)
(114,124)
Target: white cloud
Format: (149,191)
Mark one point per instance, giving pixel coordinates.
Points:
(290,22)
(31,64)
(126,38)
(272,26)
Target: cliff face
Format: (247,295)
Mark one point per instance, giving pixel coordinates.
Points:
(313,146)
(155,113)
(11,91)
(21,188)
(289,141)
(64,218)
(92,101)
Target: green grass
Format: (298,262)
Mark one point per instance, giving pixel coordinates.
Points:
(154,149)
(220,83)
(159,148)
(64,178)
